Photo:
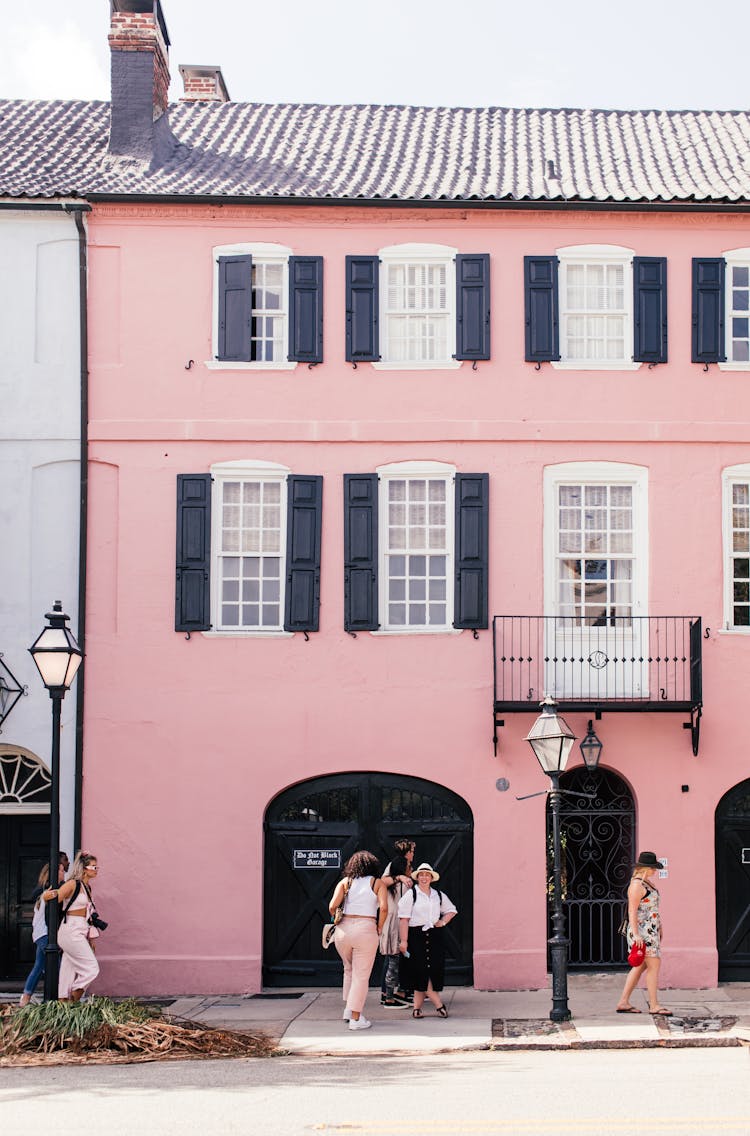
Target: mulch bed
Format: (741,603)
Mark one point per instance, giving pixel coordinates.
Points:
(157,1039)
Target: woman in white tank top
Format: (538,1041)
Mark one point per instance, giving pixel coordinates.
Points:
(363,898)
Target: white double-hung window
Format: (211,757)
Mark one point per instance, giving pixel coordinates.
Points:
(416,546)
(737,305)
(596,307)
(264,305)
(418,306)
(249,546)
(736,504)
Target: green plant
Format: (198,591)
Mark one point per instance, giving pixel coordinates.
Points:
(55,1025)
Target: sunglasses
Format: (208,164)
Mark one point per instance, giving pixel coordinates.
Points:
(92,867)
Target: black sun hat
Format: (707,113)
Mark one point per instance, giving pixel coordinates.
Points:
(648,860)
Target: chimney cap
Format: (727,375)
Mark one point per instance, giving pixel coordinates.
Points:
(205,71)
(142,7)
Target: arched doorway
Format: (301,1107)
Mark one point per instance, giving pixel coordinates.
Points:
(24,848)
(337,815)
(733,884)
(598,835)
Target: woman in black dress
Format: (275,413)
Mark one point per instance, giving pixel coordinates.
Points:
(423,913)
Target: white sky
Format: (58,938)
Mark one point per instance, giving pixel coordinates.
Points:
(678,54)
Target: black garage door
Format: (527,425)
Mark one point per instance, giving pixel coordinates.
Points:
(340,815)
(733,884)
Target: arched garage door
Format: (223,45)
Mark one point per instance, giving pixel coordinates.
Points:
(326,820)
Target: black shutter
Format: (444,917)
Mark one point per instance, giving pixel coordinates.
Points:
(361,551)
(650,309)
(306,309)
(235,307)
(303,528)
(708,310)
(473,306)
(193,601)
(472,543)
(362,316)
(541,308)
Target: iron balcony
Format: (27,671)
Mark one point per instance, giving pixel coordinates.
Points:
(616,664)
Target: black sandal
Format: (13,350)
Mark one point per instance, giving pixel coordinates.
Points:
(441,1012)
(417,1013)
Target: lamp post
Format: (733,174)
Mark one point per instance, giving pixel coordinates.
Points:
(57,657)
(551,739)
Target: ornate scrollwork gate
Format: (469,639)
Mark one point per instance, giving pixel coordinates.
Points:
(599,842)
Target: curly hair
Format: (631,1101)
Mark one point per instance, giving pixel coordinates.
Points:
(361,864)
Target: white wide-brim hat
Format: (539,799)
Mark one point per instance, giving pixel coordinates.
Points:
(425,868)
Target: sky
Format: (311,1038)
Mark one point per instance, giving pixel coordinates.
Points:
(674,54)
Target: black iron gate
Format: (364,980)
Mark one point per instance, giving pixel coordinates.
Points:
(599,851)
(328,819)
(733,884)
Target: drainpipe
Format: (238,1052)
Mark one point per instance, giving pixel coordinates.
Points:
(77,213)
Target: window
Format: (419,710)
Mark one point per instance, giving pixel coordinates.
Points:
(249,539)
(596,289)
(737,322)
(736,495)
(248,549)
(415,548)
(596,542)
(268,312)
(596,307)
(417,306)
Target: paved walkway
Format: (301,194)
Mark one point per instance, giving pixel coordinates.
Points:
(305,1022)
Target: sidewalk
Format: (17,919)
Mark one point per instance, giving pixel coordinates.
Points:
(309,1023)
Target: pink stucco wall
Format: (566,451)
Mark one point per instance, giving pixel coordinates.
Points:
(186,742)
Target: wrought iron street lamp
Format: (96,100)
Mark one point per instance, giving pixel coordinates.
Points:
(591,749)
(57,657)
(551,739)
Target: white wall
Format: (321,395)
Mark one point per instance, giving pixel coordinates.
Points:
(39,467)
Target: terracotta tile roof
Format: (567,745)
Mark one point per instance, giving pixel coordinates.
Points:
(384,152)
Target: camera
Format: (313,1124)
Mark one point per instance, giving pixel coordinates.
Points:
(95,921)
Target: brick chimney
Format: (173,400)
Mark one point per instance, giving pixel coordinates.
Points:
(203,84)
(139,46)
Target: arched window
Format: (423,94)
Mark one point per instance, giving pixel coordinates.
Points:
(24,781)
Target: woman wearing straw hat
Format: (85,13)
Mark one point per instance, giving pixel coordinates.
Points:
(423,912)
(644,929)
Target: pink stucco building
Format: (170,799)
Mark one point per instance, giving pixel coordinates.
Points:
(367,386)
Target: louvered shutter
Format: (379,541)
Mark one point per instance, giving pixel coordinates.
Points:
(472,544)
(473,306)
(361,551)
(541,308)
(235,308)
(304,515)
(708,310)
(362,316)
(306,309)
(193,600)
(650,309)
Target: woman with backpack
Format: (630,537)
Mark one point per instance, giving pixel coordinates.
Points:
(39,927)
(423,913)
(79,967)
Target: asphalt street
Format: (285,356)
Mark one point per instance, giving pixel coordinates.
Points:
(673,1092)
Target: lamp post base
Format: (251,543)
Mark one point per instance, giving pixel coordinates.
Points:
(558,951)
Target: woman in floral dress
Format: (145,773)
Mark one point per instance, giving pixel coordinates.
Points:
(645,929)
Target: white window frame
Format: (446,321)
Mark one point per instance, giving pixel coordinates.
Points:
(399,471)
(597,473)
(731,476)
(416,253)
(596,254)
(733,258)
(245,470)
(263,253)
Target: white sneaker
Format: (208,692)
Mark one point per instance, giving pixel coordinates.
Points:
(360,1023)
(347,1015)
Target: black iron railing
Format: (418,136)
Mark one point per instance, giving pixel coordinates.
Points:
(626,663)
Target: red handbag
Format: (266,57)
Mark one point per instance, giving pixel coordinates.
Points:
(637,955)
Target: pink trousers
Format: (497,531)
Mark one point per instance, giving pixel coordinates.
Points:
(356,941)
(78,967)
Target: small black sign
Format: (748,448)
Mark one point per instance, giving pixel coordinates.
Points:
(317,858)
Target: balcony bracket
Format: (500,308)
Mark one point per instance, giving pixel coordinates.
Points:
(497,722)
(694,725)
